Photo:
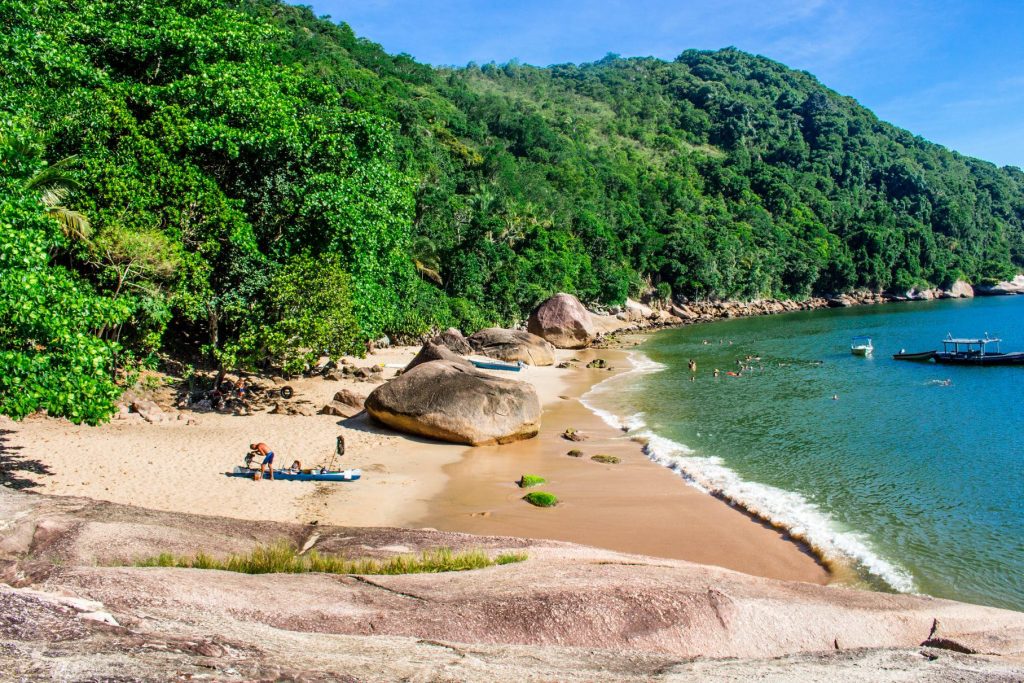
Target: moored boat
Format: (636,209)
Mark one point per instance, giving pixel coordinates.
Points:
(976,352)
(921,356)
(861,346)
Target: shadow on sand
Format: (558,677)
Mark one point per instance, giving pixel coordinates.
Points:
(13,466)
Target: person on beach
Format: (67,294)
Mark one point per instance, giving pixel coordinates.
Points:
(296,467)
(339,446)
(268,459)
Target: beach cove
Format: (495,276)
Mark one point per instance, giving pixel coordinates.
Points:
(635,506)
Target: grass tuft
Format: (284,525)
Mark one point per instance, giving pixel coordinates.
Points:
(528,480)
(541,499)
(605,459)
(281,558)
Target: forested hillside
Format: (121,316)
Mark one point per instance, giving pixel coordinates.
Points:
(238,182)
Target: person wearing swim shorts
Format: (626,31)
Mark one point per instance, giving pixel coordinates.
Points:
(268,458)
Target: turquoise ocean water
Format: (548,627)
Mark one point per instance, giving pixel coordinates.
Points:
(918,483)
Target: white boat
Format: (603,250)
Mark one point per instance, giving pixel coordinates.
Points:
(861,346)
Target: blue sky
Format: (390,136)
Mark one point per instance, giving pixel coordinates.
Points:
(952,72)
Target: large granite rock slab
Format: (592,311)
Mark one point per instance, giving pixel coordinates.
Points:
(512,346)
(453,401)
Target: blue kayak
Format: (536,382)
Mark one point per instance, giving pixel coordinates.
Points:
(487,365)
(288,475)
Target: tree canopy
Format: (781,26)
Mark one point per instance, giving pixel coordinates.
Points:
(178,176)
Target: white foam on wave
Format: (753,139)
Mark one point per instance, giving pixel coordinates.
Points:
(642,365)
(787,510)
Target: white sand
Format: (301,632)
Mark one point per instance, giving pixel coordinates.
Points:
(180,466)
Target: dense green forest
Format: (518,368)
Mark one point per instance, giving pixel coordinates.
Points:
(237,182)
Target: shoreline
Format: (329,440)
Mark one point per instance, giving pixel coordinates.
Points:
(637,506)
(178,466)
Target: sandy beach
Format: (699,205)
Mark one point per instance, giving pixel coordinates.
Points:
(635,506)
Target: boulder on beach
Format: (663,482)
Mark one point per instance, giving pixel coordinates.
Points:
(453,339)
(512,346)
(431,352)
(345,404)
(563,321)
(453,401)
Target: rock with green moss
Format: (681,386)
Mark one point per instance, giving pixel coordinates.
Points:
(541,499)
(528,480)
(605,459)
(575,453)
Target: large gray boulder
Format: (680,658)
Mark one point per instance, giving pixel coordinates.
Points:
(431,352)
(959,290)
(454,340)
(453,401)
(512,346)
(563,321)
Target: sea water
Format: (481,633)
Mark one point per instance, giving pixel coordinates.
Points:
(911,472)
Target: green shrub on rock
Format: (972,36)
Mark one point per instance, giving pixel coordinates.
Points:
(541,499)
(528,480)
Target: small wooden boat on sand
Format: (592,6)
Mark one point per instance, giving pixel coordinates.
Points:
(303,475)
(495,365)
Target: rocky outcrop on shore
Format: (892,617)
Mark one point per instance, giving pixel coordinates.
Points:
(567,612)
(563,321)
(1014,286)
(452,401)
(512,346)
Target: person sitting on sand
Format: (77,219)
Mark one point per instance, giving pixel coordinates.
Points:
(268,458)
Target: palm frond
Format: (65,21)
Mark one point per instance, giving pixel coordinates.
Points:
(74,225)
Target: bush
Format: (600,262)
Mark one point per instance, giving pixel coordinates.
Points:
(541,499)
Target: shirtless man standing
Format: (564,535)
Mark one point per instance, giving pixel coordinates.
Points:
(268,458)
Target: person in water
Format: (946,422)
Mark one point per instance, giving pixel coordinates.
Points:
(268,458)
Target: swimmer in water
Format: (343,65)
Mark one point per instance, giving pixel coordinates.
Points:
(835,397)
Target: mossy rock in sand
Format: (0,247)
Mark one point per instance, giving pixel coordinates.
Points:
(528,480)
(573,435)
(541,499)
(575,453)
(597,363)
(605,459)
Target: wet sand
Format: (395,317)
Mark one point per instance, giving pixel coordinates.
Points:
(635,506)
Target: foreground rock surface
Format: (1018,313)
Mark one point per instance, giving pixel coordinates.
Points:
(453,401)
(563,321)
(512,346)
(566,613)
